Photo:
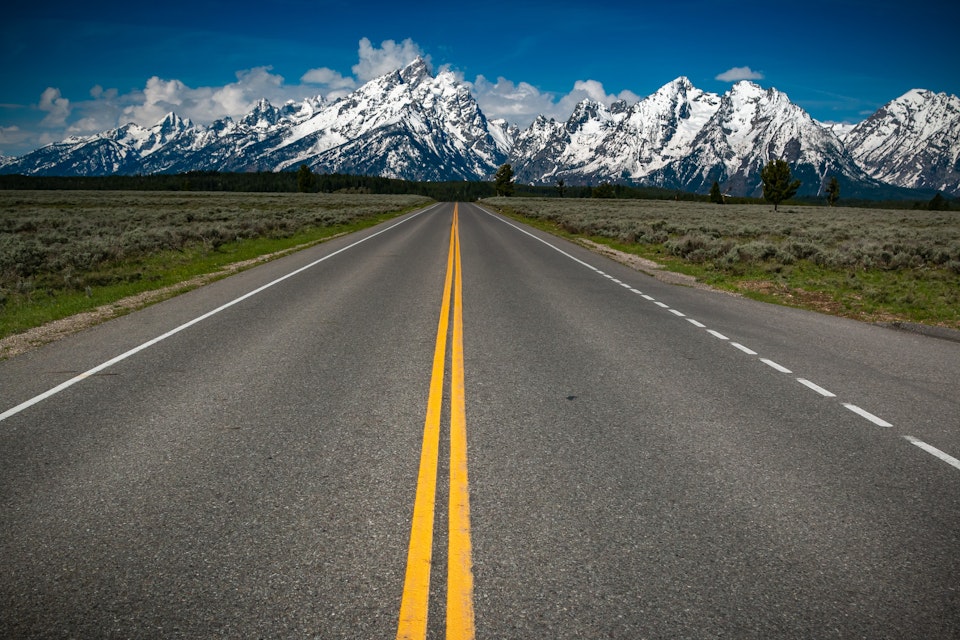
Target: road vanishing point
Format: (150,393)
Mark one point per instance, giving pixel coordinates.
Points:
(454,426)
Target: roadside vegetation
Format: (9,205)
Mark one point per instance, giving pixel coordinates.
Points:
(870,264)
(64,252)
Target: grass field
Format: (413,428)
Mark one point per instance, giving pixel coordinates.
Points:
(64,252)
(869,264)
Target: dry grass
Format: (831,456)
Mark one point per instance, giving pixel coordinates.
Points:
(870,264)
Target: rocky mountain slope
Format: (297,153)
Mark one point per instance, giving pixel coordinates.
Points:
(414,125)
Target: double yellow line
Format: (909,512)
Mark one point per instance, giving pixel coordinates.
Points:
(416,587)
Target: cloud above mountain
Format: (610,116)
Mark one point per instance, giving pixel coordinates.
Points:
(518,102)
(736,74)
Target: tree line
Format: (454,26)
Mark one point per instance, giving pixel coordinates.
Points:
(778,187)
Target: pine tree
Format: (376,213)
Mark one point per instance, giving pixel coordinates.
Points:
(777,185)
(561,187)
(605,190)
(715,195)
(503,180)
(305,182)
(833,191)
(938,203)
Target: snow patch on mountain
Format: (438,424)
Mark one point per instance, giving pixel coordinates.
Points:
(912,141)
(415,125)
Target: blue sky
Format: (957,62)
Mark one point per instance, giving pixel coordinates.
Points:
(77,68)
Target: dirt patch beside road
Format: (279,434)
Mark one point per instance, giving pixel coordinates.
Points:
(644,265)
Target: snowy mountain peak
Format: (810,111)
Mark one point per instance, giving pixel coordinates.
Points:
(748,90)
(415,72)
(912,141)
(263,115)
(171,123)
(411,124)
(679,85)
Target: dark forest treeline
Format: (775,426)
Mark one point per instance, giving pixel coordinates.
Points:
(287,181)
(262,182)
(278,182)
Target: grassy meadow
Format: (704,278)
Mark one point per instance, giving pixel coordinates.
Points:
(64,252)
(869,264)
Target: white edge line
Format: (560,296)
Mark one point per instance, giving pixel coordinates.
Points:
(880,422)
(953,462)
(538,239)
(817,388)
(746,350)
(123,356)
(778,367)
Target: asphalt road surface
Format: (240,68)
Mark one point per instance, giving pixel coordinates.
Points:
(270,456)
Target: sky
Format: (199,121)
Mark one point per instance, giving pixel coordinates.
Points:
(74,68)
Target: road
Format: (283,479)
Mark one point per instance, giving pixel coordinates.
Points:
(271,456)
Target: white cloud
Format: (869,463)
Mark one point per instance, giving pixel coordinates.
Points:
(739,73)
(106,108)
(389,57)
(519,103)
(205,104)
(592,90)
(515,102)
(13,135)
(56,107)
(328,78)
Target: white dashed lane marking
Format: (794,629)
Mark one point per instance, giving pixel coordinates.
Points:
(774,365)
(817,388)
(750,352)
(746,350)
(863,413)
(950,460)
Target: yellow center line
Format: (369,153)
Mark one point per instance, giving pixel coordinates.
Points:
(416,588)
(460,623)
(416,585)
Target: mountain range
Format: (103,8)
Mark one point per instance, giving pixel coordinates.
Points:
(415,125)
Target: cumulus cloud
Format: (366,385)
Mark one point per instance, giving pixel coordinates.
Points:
(107,108)
(389,57)
(12,135)
(56,107)
(204,104)
(592,90)
(329,78)
(519,103)
(516,102)
(739,73)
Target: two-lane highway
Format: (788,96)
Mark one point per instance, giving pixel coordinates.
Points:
(452,425)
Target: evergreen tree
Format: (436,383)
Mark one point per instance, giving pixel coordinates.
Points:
(503,180)
(715,195)
(833,191)
(561,187)
(938,203)
(605,190)
(777,185)
(305,182)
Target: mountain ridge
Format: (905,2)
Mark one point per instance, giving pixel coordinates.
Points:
(416,125)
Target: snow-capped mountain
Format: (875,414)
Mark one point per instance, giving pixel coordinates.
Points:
(621,144)
(912,142)
(751,127)
(414,125)
(406,124)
